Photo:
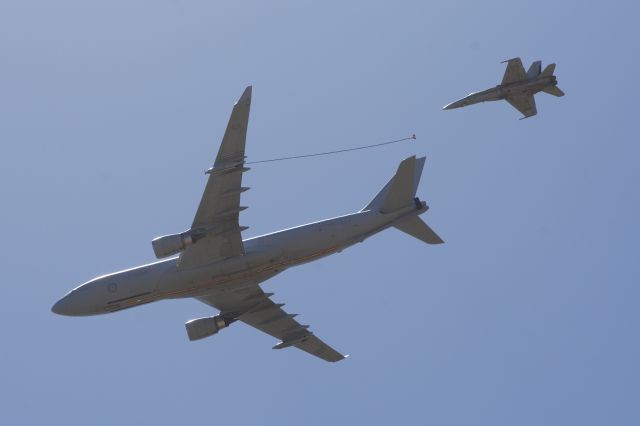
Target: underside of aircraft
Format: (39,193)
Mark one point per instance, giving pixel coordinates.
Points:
(217,267)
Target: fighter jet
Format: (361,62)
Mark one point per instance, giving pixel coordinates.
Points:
(217,267)
(517,87)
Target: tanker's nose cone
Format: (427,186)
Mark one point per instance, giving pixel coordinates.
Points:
(73,304)
(62,307)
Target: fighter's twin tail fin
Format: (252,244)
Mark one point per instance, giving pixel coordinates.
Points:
(548,71)
(552,90)
(534,70)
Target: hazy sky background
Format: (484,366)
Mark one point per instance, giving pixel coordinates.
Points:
(111,111)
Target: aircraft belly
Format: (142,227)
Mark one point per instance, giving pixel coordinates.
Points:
(130,288)
(254,267)
(322,239)
(271,254)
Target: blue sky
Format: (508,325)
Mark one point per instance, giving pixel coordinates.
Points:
(111,111)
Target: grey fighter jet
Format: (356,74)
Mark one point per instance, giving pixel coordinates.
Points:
(517,87)
(216,266)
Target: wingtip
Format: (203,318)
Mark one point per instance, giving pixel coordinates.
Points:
(340,359)
(509,60)
(246,95)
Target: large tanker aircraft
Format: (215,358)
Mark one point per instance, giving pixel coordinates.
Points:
(217,267)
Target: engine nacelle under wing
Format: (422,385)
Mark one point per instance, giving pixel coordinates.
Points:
(168,245)
(205,327)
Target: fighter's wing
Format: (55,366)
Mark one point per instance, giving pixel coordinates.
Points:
(254,307)
(217,215)
(526,104)
(514,72)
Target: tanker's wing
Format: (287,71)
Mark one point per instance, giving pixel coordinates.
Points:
(514,72)
(219,207)
(254,307)
(526,104)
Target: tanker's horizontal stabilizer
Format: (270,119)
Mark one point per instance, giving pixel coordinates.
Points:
(416,227)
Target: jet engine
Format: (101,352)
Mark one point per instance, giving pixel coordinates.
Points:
(168,245)
(204,327)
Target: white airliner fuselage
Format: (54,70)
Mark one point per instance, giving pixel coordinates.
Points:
(265,256)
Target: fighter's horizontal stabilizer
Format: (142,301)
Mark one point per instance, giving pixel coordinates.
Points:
(553,90)
(416,227)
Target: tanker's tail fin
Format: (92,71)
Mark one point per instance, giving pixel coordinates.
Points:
(400,191)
